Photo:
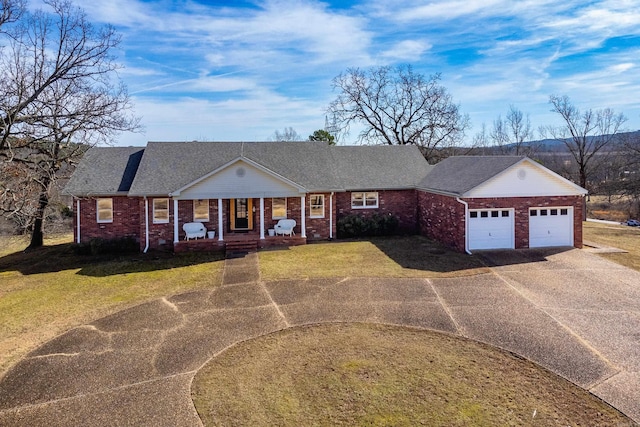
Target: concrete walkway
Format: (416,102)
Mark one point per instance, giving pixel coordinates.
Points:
(571,312)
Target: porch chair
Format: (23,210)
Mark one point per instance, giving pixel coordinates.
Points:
(285,226)
(194,230)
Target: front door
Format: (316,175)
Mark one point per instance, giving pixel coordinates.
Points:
(241,218)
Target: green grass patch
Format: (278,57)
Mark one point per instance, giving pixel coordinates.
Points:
(376,375)
(50,290)
(406,256)
(617,236)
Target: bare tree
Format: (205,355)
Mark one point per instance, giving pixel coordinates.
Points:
(585,134)
(10,11)
(288,134)
(58,98)
(398,106)
(511,134)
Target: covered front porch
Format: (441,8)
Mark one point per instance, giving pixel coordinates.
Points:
(247,223)
(233,242)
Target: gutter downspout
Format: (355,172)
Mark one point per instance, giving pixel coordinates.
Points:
(331,216)
(146,224)
(78,221)
(466,225)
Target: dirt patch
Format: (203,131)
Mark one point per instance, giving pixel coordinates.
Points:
(361,374)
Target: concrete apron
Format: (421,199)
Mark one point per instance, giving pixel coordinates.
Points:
(571,312)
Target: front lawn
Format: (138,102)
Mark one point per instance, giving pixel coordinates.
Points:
(404,256)
(50,290)
(376,375)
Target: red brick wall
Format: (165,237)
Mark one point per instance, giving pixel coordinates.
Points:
(185,214)
(442,218)
(522,205)
(126,219)
(403,204)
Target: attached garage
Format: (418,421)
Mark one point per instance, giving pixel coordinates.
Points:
(550,226)
(491,229)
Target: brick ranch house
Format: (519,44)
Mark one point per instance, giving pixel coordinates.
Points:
(241,190)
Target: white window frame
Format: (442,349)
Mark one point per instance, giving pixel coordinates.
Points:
(273,211)
(364,196)
(104,209)
(316,206)
(203,218)
(157,210)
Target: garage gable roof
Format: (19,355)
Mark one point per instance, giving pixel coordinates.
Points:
(459,174)
(496,176)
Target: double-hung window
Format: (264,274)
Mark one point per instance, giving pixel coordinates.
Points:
(279,207)
(316,206)
(201,210)
(160,211)
(104,208)
(364,200)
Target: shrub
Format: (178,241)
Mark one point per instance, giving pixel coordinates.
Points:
(355,225)
(100,246)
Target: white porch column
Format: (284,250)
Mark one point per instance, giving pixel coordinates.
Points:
(303,218)
(176,237)
(261,218)
(220,226)
(78,222)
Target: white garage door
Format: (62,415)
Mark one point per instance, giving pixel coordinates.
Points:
(491,229)
(551,226)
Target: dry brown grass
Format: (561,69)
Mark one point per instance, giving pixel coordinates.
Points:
(618,236)
(374,375)
(404,256)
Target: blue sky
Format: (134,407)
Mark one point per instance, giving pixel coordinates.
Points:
(239,70)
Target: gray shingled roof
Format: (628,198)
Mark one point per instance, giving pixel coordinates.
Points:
(105,171)
(166,167)
(384,167)
(459,174)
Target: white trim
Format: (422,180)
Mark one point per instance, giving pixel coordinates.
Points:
(78,220)
(364,200)
(220,225)
(262,217)
(303,219)
(103,221)
(323,206)
(258,166)
(285,208)
(153,207)
(466,225)
(176,238)
(194,211)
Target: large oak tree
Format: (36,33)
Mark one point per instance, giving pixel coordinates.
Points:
(59,94)
(395,105)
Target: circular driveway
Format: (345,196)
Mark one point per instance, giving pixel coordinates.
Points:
(570,311)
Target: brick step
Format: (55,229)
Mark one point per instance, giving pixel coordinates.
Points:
(242,246)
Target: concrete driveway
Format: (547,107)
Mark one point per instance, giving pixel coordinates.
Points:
(570,311)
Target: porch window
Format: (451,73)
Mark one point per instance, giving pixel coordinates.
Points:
(278,207)
(316,206)
(104,208)
(201,210)
(160,211)
(364,200)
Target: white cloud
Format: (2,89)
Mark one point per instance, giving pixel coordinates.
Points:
(407,50)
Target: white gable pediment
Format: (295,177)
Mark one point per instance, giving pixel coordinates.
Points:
(239,179)
(526,179)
